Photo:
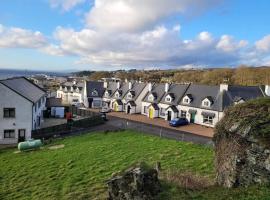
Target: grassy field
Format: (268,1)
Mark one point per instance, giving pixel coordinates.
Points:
(81,168)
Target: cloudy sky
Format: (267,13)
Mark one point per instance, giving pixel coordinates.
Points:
(125,34)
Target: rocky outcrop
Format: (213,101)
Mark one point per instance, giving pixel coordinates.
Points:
(242,145)
(138,183)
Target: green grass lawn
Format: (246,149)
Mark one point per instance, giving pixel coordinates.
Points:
(81,168)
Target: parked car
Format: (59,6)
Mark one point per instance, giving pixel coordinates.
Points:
(178,122)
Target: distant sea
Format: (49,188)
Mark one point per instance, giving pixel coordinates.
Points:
(9,73)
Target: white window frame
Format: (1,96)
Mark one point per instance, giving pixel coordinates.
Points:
(94,93)
(183,114)
(206,103)
(186,100)
(129,96)
(208,119)
(151,97)
(168,99)
(145,109)
(162,112)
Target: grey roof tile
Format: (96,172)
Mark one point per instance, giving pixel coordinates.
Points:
(25,88)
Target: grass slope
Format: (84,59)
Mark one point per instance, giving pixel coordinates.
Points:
(81,168)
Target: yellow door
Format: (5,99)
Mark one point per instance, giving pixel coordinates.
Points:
(151,113)
(115,107)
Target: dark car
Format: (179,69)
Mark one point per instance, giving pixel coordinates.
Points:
(178,122)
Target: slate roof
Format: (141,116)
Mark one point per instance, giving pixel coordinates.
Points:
(136,90)
(25,88)
(176,91)
(158,90)
(112,87)
(122,90)
(200,92)
(54,102)
(94,85)
(235,93)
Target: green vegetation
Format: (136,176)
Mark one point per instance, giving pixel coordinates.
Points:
(254,114)
(81,168)
(242,75)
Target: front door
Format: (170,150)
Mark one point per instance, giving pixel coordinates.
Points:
(115,107)
(90,102)
(21,135)
(169,117)
(192,117)
(128,109)
(151,113)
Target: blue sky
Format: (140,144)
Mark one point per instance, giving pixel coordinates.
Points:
(144,34)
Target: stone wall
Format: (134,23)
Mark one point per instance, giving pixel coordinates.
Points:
(242,145)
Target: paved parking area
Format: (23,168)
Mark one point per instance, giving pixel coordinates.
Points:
(48,122)
(191,128)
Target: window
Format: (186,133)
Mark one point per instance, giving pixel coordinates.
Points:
(151,98)
(94,93)
(9,133)
(129,96)
(9,112)
(145,109)
(186,100)
(96,103)
(183,114)
(168,99)
(206,103)
(162,112)
(207,120)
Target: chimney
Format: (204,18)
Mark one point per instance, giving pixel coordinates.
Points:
(105,84)
(129,85)
(166,87)
(149,87)
(267,90)
(223,87)
(118,85)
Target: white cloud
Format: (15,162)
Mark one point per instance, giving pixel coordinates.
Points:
(228,44)
(134,15)
(13,37)
(157,47)
(263,44)
(65,5)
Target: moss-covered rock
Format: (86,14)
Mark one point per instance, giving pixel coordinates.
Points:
(242,144)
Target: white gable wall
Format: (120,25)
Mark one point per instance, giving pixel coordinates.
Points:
(23,114)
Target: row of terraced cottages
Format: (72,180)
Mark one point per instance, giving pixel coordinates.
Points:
(200,104)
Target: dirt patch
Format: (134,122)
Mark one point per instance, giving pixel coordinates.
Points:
(59,146)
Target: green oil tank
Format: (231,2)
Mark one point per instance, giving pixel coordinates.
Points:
(29,144)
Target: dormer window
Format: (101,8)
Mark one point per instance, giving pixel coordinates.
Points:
(107,94)
(129,96)
(186,100)
(116,95)
(151,97)
(168,99)
(94,93)
(207,102)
